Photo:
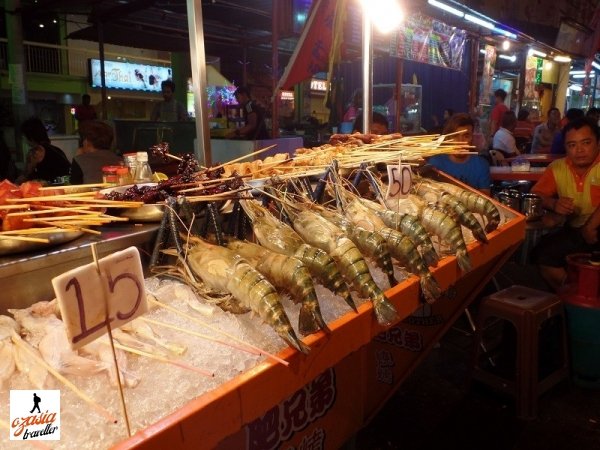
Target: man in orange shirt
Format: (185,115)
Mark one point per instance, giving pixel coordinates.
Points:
(570,190)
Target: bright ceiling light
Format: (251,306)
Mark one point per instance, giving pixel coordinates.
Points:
(482,51)
(386,15)
(446,8)
(480,22)
(505,44)
(582,75)
(595,65)
(577,72)
(506,33)
(560,58)
(575,87)
(511,58)
(533,52)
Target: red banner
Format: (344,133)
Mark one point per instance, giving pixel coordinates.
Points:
(312,51)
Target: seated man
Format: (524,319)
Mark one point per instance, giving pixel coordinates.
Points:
(470,169)
(504,139)
(570,189)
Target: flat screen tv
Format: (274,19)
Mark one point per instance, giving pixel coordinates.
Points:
(130,76)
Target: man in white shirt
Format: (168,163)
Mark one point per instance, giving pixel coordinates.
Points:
(504,139)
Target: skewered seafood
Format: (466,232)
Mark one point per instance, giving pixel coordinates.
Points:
(409,225)
(475,203)
(221,269)
(400,246)
(279,237)
(317,231)
(286,273)
(455,208)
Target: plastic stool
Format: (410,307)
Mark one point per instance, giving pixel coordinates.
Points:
(539,358)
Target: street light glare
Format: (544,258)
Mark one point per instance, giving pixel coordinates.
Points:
(386,15)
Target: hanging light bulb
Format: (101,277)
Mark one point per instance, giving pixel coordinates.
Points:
(505,44)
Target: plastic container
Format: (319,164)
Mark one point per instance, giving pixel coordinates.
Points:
(582,305)
(109,175)
(124,176)
(143,172)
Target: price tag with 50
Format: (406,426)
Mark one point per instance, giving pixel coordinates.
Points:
(399,181)
(84,294)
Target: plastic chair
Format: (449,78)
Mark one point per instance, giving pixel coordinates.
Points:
(498,158)
(530,352)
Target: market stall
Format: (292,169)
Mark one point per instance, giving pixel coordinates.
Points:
(280,396)
(355,369)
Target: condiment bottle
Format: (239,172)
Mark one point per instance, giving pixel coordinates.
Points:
(143,172)
(130,160)
(109,175)
(123,175)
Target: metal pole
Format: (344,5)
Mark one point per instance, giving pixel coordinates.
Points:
(275,54)
(198,61)
(100,27)
(398,94)
(367,72)
(473,74)
(16,71)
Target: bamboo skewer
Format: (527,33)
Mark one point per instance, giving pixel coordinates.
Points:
(203,336)
(76,186)
(25,239)
(82,395)
(163,359)
(210,327)
(241,158)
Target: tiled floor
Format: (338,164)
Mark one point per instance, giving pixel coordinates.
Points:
(437,409)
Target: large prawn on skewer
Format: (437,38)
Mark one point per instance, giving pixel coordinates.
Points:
(400,246)
(474,202)
(287,273)
(281,238)
(321,233)
(453,206)
(221,269)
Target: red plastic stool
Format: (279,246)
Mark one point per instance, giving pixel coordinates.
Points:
(538,360)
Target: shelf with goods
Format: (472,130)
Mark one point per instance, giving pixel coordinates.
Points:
(329,394)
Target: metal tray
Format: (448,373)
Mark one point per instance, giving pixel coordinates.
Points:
(12,246)
(151,212)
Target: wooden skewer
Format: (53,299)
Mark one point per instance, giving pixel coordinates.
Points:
(203,336)
(71,227)
(24,238)
(23,206)
(163,359)
(210,327)
(82,395)
(36,230)
(241,158)
(76,186)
